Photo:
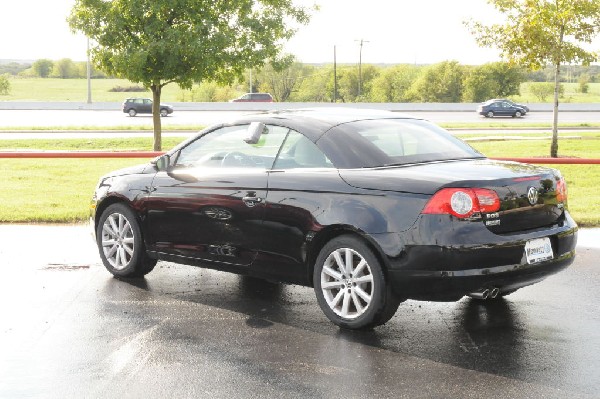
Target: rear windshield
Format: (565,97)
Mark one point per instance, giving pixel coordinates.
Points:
(386,142)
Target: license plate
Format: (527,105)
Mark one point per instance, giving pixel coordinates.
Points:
(538,250)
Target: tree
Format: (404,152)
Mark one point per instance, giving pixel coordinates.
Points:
(509,77)
(584,83)
(64,69)
(281,78)
(393,83)
(13,68)
(543,90)
(492,80)
(4,85)
(208,92)
(42,67)
(442,82)
(348,80)
(157,42)
(538,32)
(479,85)
(317,85)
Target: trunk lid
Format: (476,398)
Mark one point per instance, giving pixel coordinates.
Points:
(529,195)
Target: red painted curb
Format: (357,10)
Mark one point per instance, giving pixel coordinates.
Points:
(80,154)
(153,154)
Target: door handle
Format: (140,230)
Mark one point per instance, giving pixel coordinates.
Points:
(251,200)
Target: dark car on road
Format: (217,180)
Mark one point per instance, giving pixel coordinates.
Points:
(134,106)
(514,104)
(492,108)
(253,97)
(368,207)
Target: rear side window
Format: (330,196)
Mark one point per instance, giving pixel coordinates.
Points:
(385,142)
(299,152)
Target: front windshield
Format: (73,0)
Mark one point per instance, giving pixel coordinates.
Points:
(385,142)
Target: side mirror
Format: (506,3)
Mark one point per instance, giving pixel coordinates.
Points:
(163,162)
(255,130)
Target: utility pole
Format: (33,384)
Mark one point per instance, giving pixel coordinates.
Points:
(361,41)
(334,75)
(89,74)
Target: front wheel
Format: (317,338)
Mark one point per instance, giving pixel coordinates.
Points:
(164,112)
(120,243)
(490,114)
(518,114)
(350,285)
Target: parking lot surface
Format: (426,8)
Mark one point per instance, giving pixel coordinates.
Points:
(70,330)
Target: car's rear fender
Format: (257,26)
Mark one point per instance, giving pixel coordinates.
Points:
(330,232)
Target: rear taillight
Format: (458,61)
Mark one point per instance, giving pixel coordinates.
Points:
(463,202)
(561,191)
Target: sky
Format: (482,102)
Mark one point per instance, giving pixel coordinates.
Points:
(393,31)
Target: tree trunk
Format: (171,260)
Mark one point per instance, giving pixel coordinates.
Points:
(554,145)
(156,90)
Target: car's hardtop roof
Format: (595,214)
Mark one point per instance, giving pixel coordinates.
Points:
(493,100)
(313,122)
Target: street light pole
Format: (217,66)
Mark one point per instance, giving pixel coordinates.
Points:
(361,41)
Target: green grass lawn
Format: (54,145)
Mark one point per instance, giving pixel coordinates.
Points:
(571,94)
(52,89)
(59,190)
(111,144)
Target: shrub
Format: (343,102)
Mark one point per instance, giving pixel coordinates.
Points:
(128,89)
(4,85)
(584,85)
(543,90)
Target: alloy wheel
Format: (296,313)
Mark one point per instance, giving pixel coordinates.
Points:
(117,241)
(347,283)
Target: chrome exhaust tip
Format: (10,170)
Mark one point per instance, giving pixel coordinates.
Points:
(494,292)
(481,294)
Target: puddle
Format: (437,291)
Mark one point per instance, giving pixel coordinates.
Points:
(62,266)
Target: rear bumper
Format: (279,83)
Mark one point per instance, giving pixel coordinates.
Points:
(446,267)
(453,285)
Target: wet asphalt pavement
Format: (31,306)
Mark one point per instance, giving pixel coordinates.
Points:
(68,329)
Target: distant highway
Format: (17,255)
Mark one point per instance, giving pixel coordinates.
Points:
(186,119)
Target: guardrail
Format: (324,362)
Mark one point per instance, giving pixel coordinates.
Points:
(153,154)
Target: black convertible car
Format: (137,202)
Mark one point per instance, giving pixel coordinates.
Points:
(368,207)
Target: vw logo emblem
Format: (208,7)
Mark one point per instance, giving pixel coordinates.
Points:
(532,195)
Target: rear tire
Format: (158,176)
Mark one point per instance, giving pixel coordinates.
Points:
(132,112)
(164,112)
(120,243)
(350,285)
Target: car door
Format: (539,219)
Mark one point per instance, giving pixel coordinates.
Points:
(147,106)
(300,186)
(496,108)
(209,203)
(507,109)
